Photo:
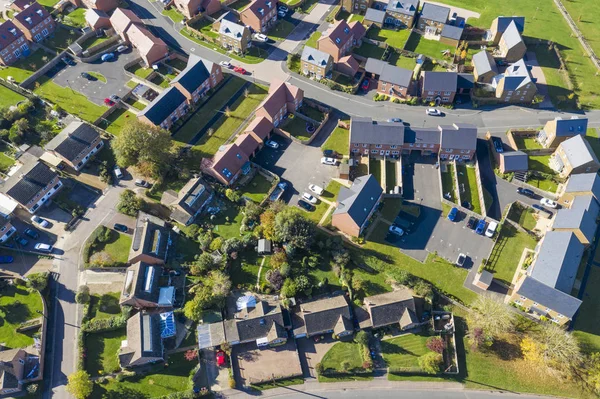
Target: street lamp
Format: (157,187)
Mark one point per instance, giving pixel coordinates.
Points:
(42,313)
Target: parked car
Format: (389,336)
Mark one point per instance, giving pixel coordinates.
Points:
(38,220)
(542,209)
(472,222)
(498,146)
(221,358)
(121,227)
(43,247)
(526,192)
(309,198)
(109,102)
(107,57)
(480,227)
(433,112)
(141,183)
(331,154)
(272,144)
(115,98)
(283,8)
(117,172)
(122,48)
(32,233)
(69,61)
(239,70)
(328,161)
(460,261)
(365,84)
(396,230)
(491,229)
(260,37)
(21,240)
(6,259)
(395,120)
(281,13)
(316,189)
(549,203)
(453,214)
(87,76)
(305,205)
(225,64)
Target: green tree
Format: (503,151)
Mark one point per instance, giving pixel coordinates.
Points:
(83,294)
(37,281)
(556,347)
(430,362)
(203,264)
(593,372)
(129,203)
(293,227)
(80,385)
(289,289)
(303,284)
(362,337)
(494,317)
(193,309)
(232,195)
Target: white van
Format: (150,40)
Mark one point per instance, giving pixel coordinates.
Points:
(316,189)
(118,173)
(491,229)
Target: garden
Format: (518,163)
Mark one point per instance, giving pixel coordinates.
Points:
(338,140)
(430,48)
(448,187)
(253,55)
(413,354)
(298,127)
(257,188)
(507,252)
(18,305)
(541,175)
(394,38)
(522,215)
(9,97)
(467,184)
(106,248)
(345,361)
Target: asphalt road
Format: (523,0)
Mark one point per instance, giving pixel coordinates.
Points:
(398,394)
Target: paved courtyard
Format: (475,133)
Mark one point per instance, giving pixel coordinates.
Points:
(252,365)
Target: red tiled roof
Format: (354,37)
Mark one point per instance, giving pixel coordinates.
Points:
(247,143)
(280,93)
(231,158)
(260,4)
(350,62)
(261,127)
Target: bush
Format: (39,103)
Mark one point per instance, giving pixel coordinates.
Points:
(102,259)
(430,362)
(232,383)
(362,337)
(103,325)
(436,344)
(83,294)
(37,281)
(130,204)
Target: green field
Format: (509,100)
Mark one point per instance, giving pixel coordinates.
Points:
(9,97)
(392,37)
(172,13)
(17,305)
(507,252)
(402,353)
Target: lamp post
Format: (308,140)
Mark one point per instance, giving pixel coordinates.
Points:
(42,313)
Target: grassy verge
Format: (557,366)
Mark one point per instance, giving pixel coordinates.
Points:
(312,40)
(102,352)
(281,30)
(173,14)
(467,185)
(98,76)
(70,100)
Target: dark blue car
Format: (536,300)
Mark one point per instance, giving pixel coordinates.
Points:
(452,214)
(6,259)
(480,227)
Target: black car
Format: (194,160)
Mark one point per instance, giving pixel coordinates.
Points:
(88,76)
(542,209)
(121,227)
(330,154)
(526,192)
(472,223)
(305,205)
(32,233)
(69,61)
(21,240)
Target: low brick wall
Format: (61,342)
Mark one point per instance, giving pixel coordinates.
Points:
(512,133)
(40,72)
(100,46)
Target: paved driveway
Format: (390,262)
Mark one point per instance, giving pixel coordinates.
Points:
(252,365)
(311,353)
(97,91)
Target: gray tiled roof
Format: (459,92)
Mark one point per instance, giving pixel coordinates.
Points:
(504,22)
(151,237)
(324,314)
(558,260)
(585,182)
(422,135)
(577,218)
(578,151)
(435,13)
(375,66)
(406,7)
(396,75)
(484,62)
(375,15)
(315,57)
(73,140)
(231,29)
(144,342)
(554,299)
(515,161)
(29,180)
(571,126)
(358,200)
(388,308)
(143,284)
(163,105)
(511,35)
(586,202)
(452,32)
(459,136)
(516,76)
(195,73)
(364,130)
(439,81)
(255,323)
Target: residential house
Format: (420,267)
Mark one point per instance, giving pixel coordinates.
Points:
(438,87)
(75,144)
(20,5)
(580,219)
(226,16)
(259,15)
(248,143)
(324,316)
(377,138)
(7,229)
(13,45)
(347,65)
(17,367)
(458,141)
(374,17)
(7,207)
(484,67)
(395,308)
(433,18)
(283,98)
(165,109)
(499,26)
(515,85)
(356,205)
(451,35)
(32,185)
(511,47)
(557,130)
(261,322)
(144,344)
(227,165)
(356,6)
(100,5)
(141,288)
(198,77)
(574,156)
(391,80)
(585,184)
(401,13)
(465,82)
(35,22)
(234,36)
(122,19)
(340,39)
(189,202)
(97,19)
(191,8)
(260,127)
(316,63)
(513,161)
(151,240)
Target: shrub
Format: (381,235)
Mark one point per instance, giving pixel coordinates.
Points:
(103,325)
(436,344)
(37,281)
(130,204)
(362,338)
(102,259)
(83,294)
(216,244)
(430,362)
(232,383)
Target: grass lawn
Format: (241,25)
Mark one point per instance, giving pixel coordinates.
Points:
(94,41)
(375,168)
(160,81)
(317,213)
(117,247)
(71,101)
(117,120)
(431,48)
(244,269)
(9,97)
(308,6)
(226,229)
(25,67)
(527,143)
(140,71)
(507,252)
(5,162)
(76,18)
(177,64)
(132,84)
(98,76)
(240,4)
(390,175)
(208,110)
(587,328)
(394,38)
(175,15)
(356,17)
(62,38)
(257,188)
(296,127)
(402,353)
(48,3)
(592,137)
(312,113)
(540,163)
(338,141)
(163,379)
(448,187)
(17,305)
(369,51)
(341,352)
(332,190)
(391,208)
(254,55)
(281,30)
(101,351)
(312,40)
(105,306)
(135,104)
(402,62)
(279,383)
(467,185)
(523,216)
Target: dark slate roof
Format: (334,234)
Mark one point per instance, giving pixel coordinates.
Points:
(315,57)
(151,237)
(358,200)
(484,62)
(406,7)
(375,66)
(28,181)
(586,202)
(365,130)
(515,161)
(439,81)
(163,105)
(375,15)
(558,260)
(571,126)
(143,339)
(459,136)
(486,277)
(254,323)
(503,23)
(452,32)
(585,182)
(190,199)
(388,308)
(324,314)
(435,13)
(141,282)
(554,299)
(195,73)
(73,140)
(396,75)
(422,135)
(8,34)
(465,81)
(577,218)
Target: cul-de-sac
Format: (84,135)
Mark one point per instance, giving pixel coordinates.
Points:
(299,199)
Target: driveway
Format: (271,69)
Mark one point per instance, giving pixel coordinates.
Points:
(311,353)
(252,365)
(97,91)
(538,75)
(461,12)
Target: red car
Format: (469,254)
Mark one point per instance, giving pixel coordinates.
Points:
(239,70)
(365,84)
(220,358)
(109,102)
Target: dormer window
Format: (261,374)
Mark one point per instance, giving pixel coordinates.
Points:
(346,30)
(29,21)
(269,4)
(13,31)
(40,13)
(337,40)
(261,11)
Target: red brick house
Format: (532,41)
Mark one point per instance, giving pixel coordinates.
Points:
(439,87)
(339,41)
(35,22)
(259,15)
(227,165)
(13,45)
(191,8)
(356,204)
(283,98)
(199,76)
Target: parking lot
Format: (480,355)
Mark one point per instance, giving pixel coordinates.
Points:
(252,365)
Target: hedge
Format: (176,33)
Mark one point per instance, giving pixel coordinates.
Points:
(103,325)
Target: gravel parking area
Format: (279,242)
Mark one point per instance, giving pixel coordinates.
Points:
(252,365)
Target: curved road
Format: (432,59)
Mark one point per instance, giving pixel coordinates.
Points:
(400,394)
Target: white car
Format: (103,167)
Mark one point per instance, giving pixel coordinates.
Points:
(122,49)
(38,220)
(309,198)
(272,144)
(44,247)
(283,8)
(328,161)
(433,112)
(316,189)
(460,261)
(281,13)
(396,230)
(260,37)
(548,202)
(491,229)
(118,173)
(225,64)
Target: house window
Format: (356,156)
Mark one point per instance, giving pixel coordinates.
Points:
(519,303)
(445,99)
(395,152)
(560,316)
(356,144)
(536,304)
(430,93)
(364,145)
(419,145)
(374,151)
(45,32)
(393,146)
(17,53)
(447,93)
(411,145)
(24,47)
(377,145)
(38,37)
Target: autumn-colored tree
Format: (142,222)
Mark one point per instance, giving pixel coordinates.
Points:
(436,344)
(102,259)
(278,259)
(80,385)
(191,355)
(491,315)
(267,221)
